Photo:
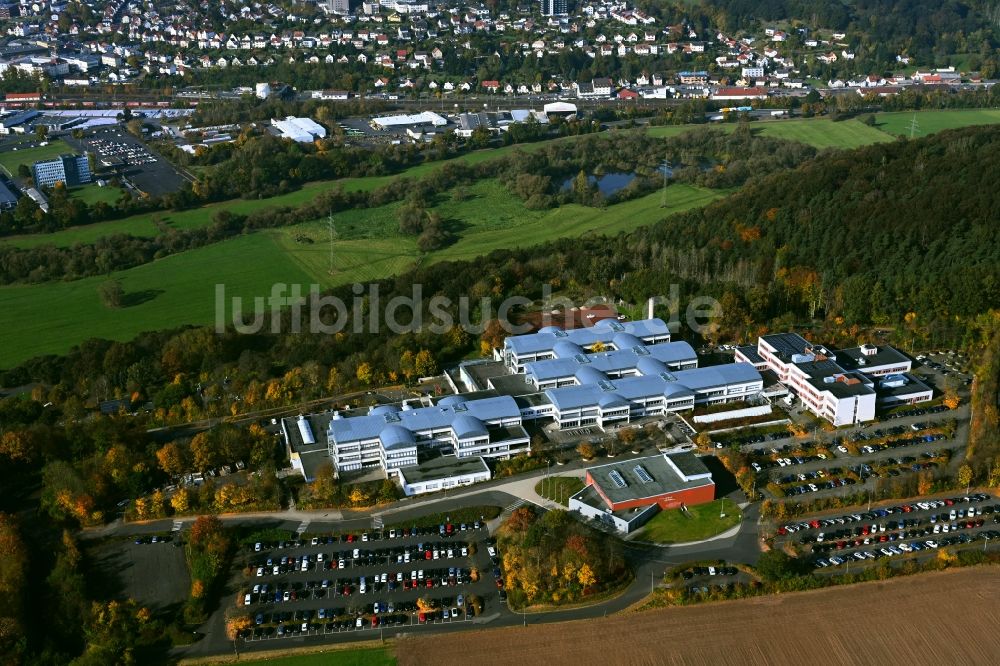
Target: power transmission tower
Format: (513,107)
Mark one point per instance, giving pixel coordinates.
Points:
(914,126)
(333,236)
(666,170)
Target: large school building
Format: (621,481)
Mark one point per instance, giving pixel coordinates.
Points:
(602,376)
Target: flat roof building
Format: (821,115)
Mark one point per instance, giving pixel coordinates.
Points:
(840,386)
(72,170)
(302,130)
(626,494)
(443,473)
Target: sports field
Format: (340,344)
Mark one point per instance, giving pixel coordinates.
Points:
(945,617)
(180,289)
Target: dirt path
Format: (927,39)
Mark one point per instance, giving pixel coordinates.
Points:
(937,618)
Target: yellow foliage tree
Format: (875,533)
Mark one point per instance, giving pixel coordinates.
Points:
(586,576)
(181,501)
(237,625)
(358,497)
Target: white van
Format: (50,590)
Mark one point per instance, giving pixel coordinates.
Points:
(363,588)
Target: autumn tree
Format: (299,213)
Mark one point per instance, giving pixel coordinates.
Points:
(173,459)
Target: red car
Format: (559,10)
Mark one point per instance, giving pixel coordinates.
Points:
(430,583)
(374,620)
(782,531)
(814,524)
(422,618)
(428,555)
(499,583)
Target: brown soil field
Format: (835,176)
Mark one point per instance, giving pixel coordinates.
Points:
(939,618)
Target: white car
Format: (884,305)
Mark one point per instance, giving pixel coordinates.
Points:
(257,546)
(246,599)
(260,571)
(842,448)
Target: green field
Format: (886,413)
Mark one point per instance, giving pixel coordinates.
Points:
(92,194)
(674,527)
(10,159)
(176,290)
(180,289)
(349,657)
(817,132)
(823,133)
(930,122)
(142,226)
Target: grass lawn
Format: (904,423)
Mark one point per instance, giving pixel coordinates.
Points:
(930,122)
(10,159)
(381,656)
(176,290)
(92,194)
(141,225)
(180,289)
(703,522)
(559,488)
(823,133)
(817,132)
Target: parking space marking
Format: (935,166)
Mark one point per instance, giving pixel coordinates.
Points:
(178,524)
(303,526)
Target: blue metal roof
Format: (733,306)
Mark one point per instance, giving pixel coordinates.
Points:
(680,384)
(396,436)
(501,408)
(468,426)
(616,361)
(603,331)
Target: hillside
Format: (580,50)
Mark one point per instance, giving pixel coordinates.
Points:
(889,229)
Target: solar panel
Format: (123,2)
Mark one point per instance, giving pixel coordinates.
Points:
(643,475)
(617,478)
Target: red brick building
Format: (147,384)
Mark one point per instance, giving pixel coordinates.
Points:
(630,492)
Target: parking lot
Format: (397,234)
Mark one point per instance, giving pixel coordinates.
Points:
(381,579)
(895,531)
(890,451)
(154,574)
(147,171)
